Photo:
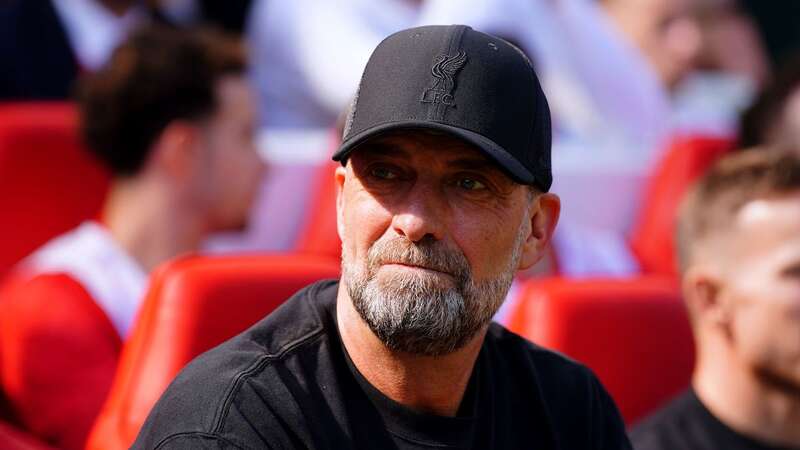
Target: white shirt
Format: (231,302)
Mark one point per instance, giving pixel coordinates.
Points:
(93,31)
(308,55)
(91,256)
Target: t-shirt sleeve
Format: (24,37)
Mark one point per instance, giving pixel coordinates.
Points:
(608,427)
(58,356)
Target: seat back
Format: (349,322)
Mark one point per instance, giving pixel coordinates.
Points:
(634,334)
(192,305)
(652,237)
(48,181)
(319,235)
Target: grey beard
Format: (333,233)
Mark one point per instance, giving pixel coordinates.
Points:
(425,314)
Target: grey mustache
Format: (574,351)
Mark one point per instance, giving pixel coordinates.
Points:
(432,255)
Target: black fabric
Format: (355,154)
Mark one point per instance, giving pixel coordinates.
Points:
(286,384)
(230,15)
(777,24)
(36,60)
(686,424)
(408,428)
(457,80)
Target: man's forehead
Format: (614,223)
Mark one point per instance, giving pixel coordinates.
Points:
(440,146)
(779,209)
(769,224)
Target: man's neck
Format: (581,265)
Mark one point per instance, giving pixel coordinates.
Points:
(151,225)
(747,403)
(434,385)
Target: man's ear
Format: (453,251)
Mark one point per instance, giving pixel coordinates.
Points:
(544,211)
(339,176)
(701,285)
(174,151)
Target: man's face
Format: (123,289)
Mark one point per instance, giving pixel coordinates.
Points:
(432,233)
(665,31)
(231,168)
(762,284)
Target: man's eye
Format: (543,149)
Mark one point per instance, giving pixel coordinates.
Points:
(383,173)
(470,184)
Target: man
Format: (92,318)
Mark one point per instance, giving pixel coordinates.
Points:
(739,247)
(666,32)
(46,44)
(442,197)
(171,116)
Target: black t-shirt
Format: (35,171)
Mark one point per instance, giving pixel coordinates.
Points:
(686,424)
(287,383)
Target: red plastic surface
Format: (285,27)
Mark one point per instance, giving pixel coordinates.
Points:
(319,235)
(634,334)
(48,181)
(686,160)
(58,356)
(192,305)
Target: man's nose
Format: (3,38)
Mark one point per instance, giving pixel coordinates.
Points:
(421,214)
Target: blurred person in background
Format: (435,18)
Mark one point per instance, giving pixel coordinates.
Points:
(307,56)
(306,73)
(705,79)
(739,250)
(665,31)
(774,118)
(172,117)
(731,67)
(46,44)
(230,15)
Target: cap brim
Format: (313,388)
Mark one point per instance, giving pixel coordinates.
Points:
(508,163)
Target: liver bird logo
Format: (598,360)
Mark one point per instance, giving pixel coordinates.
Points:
(444,70)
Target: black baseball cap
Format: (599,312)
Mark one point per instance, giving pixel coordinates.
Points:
(456,80)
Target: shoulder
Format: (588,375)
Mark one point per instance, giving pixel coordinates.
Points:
(665,428)
(53,315)
(580,411)
(222,408)
(549,366)
(561,381)
(54,303)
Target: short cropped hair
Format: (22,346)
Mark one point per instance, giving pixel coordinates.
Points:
(157,76)
(711,205)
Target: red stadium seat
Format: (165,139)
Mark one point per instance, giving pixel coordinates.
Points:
(319,235)
(633,334)
(48,182)
(685,161)
(14,439)
(192,305)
